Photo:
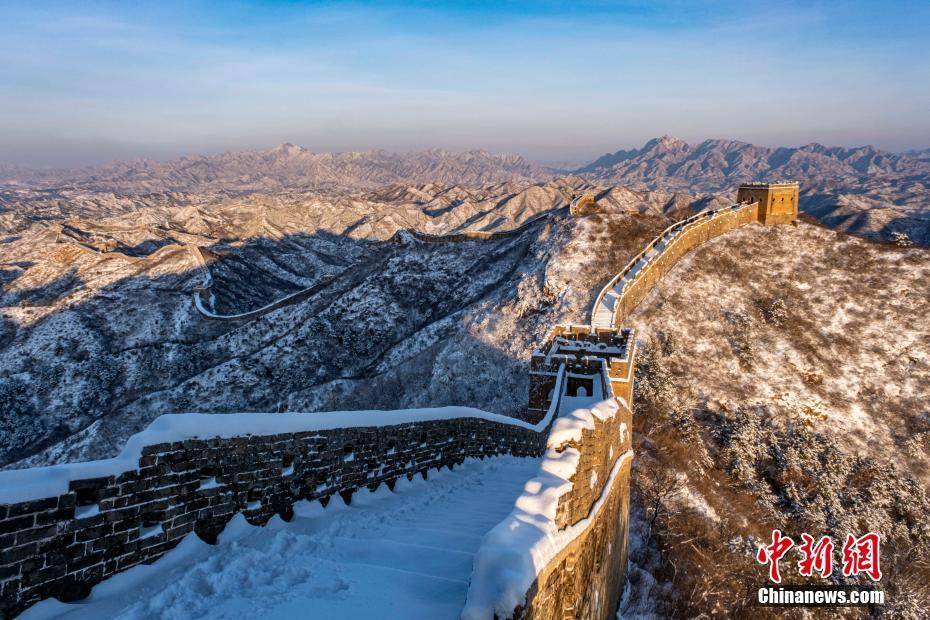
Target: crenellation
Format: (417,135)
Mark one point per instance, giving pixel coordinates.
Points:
(140,514)
(582,350)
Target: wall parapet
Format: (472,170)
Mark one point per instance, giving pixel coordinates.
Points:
(599,436)
(548,559)
(65,528)
(581,349)
(625,290)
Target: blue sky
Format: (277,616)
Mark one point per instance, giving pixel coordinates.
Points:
(556,81)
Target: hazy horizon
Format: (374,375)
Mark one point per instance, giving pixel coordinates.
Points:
(552,81)
(552,163)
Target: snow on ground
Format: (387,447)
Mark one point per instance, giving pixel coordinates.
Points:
(850,355)
(517,549)
(401,554)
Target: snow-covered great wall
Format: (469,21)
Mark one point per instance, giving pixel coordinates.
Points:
(546,561)
(561,552)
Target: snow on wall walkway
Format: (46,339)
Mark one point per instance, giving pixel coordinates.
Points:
(605,307)
(401,554)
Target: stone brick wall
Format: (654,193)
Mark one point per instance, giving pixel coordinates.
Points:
(587,577)
(583,205)
(777,202)
(580,348)
(562,552)
(61,546)
(680,238)
(599,450)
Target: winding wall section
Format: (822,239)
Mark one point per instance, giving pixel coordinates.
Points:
(626,289)
(561,552)
(325,281)
(536,563)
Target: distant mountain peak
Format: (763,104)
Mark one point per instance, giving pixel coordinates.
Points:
(287,148)
(665,144)
(667,141)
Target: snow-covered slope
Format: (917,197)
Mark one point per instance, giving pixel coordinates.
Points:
(782,382)
(93,346)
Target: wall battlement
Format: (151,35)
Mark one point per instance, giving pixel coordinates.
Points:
(584,204)
(581,349)
(65,528)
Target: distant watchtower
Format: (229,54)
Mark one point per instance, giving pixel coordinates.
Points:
(582,205)
(778,202)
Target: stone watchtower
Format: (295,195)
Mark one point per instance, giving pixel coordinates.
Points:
(778,202)
(582,349)
(582,205)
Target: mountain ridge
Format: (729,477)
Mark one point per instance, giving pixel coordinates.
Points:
(715,164)
(863,190)
(662,163)
(285,166)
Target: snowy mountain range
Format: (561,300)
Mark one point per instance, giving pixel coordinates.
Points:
(277,222)
(714,165)
(386,310)
(662,163)
(285,166)
(862,190)
(141,288)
